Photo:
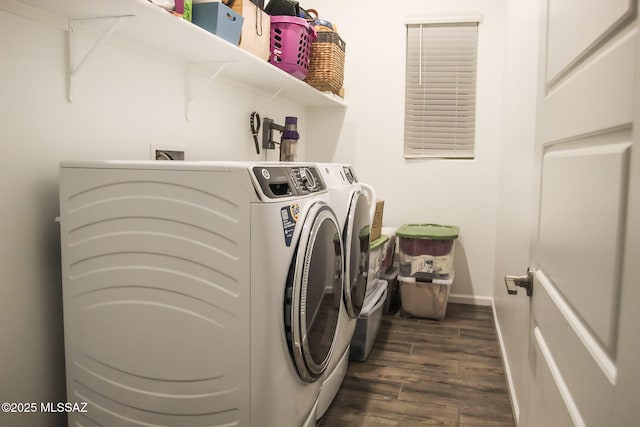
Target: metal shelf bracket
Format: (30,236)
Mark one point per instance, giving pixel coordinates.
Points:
(74,68)
(193,92)
(267,101)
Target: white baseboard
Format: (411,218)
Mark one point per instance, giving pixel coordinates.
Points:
(470,299)
(507,369)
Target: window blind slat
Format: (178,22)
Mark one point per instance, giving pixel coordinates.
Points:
(440,90)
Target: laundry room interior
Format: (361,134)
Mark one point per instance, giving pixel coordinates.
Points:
(82,85)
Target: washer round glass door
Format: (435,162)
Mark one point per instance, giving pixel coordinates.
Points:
(313,293)
(356,244)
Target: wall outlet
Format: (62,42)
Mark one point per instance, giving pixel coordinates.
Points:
(166,153)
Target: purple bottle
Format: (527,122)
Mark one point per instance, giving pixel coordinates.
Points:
(290,137)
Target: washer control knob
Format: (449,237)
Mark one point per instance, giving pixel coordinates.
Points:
(308,180)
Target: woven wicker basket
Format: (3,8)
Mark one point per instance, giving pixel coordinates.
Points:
(326,68)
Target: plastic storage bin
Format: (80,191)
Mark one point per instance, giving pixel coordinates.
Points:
(392,302)
(376,256)
(426,250)
(367,328)
(388,253)
(381,252)
(291,40)
(426,299)
(218,19)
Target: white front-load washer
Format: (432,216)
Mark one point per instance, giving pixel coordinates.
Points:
(197,293)
(353,210)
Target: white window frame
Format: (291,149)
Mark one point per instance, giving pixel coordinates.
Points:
(457,139)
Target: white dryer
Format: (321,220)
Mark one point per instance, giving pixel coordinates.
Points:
(198,293)
(354,213)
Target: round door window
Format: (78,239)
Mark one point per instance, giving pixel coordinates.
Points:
(314,289)
(356,235)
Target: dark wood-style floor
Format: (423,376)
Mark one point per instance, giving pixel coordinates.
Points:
(426,372)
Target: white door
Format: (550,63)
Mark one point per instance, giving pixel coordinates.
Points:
(585,327)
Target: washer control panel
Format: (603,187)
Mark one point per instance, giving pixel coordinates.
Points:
(287,181)
(349,174)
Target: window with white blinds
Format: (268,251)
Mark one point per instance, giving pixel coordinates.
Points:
(440,96)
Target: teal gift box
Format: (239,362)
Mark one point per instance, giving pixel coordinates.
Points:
(218,19)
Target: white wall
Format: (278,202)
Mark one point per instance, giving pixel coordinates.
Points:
(459,192)
(125,99)
(515,191)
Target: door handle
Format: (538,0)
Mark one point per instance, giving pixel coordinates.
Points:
(525,281)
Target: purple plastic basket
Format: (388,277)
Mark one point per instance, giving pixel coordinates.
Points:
(291,40)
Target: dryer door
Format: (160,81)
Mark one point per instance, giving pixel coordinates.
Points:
(356,244)
(314,289)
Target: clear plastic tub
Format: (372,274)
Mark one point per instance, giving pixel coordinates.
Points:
(426,250)
(425,299)
(376,256)
(366,332)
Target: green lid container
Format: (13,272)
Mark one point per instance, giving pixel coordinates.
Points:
(428,231)
(379,242)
